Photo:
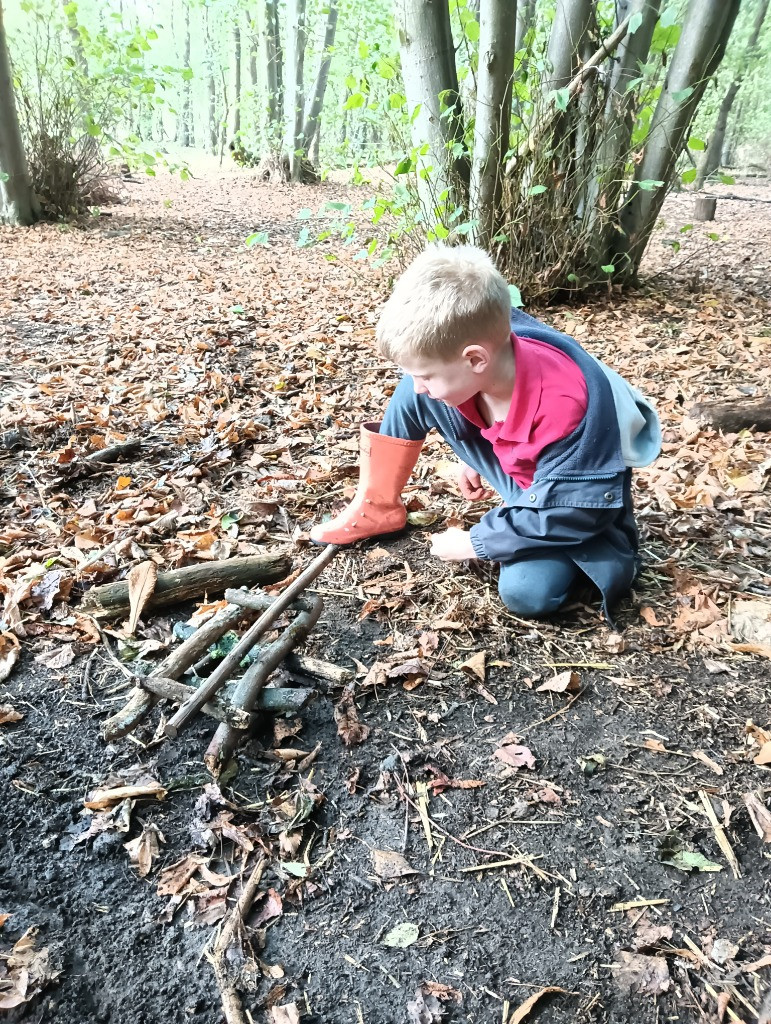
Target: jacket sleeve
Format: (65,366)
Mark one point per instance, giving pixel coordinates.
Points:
(510,534)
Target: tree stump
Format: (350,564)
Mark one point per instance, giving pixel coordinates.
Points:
(705,207)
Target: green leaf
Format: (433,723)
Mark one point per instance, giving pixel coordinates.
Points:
(294,867)
(561,99)
(694,143)
(404,166)
(727,179)
(649,185)
(187,74)
(686,227)
(673,851)
(688,176)
(305,214)
(471,28)
(363,50)
(385,69)
(304,239)
(608,268)
(536,190)
(256,238)
(682,94)
(402,936)
(634,23)
(354,101)
(713,236)
(396,100)
(668,17)
(516,296)
(94,130)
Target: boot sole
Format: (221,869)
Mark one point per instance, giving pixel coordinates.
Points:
(393,535)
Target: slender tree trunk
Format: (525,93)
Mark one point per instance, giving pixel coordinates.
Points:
(18,202)
(212,128)
(431,86)
(293,97)
(253,37)
(700,49)
(714,150)
(497,31)
(571,23)
(273,62)
(236,80)
(185,128)
(314,107)
(525,19)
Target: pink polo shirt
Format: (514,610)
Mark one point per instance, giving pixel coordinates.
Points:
(547,404)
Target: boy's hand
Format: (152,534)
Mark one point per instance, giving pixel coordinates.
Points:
(453,545)
(470,484)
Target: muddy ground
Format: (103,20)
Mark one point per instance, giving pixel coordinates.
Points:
(508,878)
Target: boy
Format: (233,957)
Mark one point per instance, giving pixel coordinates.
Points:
(550,427)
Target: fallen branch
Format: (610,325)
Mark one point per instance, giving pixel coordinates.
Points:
(177,585)
(233,924)
(115,452)
(228,666)
(277,700)
(733,416)
(249,688)
(316,667)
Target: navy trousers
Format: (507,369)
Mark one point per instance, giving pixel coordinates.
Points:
(531,587)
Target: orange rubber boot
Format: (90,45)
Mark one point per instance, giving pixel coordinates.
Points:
(385,465)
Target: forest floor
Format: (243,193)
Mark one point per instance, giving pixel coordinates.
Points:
(548,822)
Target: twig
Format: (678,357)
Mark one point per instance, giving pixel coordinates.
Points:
(720,835)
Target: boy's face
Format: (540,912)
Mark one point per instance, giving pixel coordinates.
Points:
(452,381)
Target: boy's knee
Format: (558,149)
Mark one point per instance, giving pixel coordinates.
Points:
(529,602)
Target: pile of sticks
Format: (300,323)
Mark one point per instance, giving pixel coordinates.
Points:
(235,705)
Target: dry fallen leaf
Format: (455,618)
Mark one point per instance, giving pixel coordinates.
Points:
(511,753)
(569,682)
(390,864)
(349,728)
(10,649)
(145,848)
(475,666)
(638,974)
(8,713)
(764,755)
(174,878)
(288,1013)
(98,799)
(524,1008)
(759,814)
(26,971)
(141,583)
(58,658)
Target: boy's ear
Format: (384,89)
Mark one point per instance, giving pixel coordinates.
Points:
(478,357)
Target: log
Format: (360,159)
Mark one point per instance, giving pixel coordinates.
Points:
(177,585)
(704,208)
(732,417)
(250,687)
(226,668)
(316,667)
(115,452)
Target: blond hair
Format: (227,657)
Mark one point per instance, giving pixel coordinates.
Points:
(446,299)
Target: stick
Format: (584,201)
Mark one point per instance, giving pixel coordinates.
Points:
(247,691)
(316,667)
(262,625)
(276,700)
(720,835)
(112,599)
(141,701)
(231,1002)
(115,452)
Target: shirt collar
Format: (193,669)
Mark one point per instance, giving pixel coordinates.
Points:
(526,395)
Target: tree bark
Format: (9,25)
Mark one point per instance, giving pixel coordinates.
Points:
(497,31)
(525,20)
(212,130)
(700,49)
(733,416)
(18,203)
(314,107)
(274,62)
(714,151)
(185,126)
(571,23)
(293,97)
(236,81)
(431,84)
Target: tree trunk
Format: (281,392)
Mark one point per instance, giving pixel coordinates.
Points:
(274,59)
(571,23)
(212,128)
(714,151)
(314,107)
(185,127)
(733,416)
(236,81)
(497,31)
(525,20)
(700,49)
(613,152)
(431,85)
(18,203)
(293,98)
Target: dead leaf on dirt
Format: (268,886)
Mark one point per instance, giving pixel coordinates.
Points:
(390,864)
(289,843)
(751,622)
(210,907)
(648,935)
(760,816)
(757,965)
(614,643)
(353,780)
(10,649)
(637,974)
(349,728)
(271,908)
(565,682)
(27,971)
(99,799)
(283,727)
(401,936)
(723,950)
(513,754)
(425,1008)
(524,1008)
(475,666)
(145,849)
(649,615)
(764,754)
(287,1013)
(58,658)
(141,583)
(175,877)
(8,713)
(411,669)
(441,782)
